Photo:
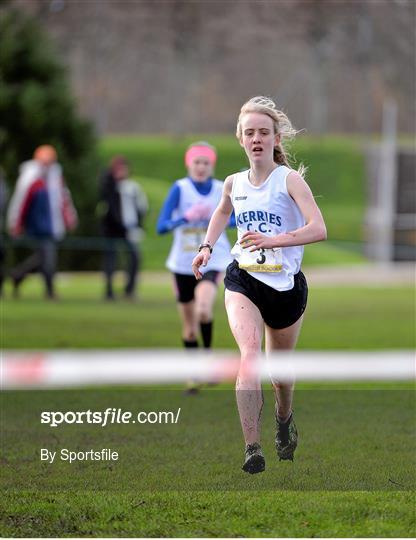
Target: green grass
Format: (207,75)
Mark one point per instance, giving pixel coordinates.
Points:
(235,515)
(337,317)
(354,473)
(336,175)
(335,164)
(348,220)
(185,479)
(347,447)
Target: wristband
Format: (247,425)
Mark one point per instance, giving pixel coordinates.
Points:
(207,245)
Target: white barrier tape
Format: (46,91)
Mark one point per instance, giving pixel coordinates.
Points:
(81,368)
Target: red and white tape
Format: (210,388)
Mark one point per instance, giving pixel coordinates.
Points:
(54,369)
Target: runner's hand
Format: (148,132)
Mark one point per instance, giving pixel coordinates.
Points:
(198,212)
(201,259)
(254,240)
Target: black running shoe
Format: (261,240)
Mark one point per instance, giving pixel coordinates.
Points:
(286,438)
(254,462)
(192,388)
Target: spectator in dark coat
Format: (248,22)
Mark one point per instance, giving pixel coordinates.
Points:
(3,203)
(124,207)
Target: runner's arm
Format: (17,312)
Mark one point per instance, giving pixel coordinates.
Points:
(219,221)
(313,231)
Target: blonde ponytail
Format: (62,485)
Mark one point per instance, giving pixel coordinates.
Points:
(281,123)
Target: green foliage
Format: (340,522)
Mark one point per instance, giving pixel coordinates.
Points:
(36,108)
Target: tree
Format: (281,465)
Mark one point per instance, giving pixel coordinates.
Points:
(36,107)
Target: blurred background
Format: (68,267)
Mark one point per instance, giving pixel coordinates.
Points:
(145,78)
(178,67)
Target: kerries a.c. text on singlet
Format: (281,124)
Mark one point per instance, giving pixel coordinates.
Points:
(270,210)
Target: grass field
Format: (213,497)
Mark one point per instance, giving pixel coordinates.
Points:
(337,318)
(237,514)
(354,473)
(346,217)
(185,479)
(336,175)
(336,170)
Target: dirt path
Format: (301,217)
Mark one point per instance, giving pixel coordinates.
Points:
(369,274)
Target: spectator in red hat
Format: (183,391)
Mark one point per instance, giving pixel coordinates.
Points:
(40,209)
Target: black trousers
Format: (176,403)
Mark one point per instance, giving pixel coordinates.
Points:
(113,245)
(42,260)
(2,264)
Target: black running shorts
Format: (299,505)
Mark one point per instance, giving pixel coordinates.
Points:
(185,285)
(279,309)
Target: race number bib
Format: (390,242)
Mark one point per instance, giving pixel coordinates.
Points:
(192,238)
(261,260)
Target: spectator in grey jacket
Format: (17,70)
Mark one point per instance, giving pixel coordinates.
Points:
(41,209)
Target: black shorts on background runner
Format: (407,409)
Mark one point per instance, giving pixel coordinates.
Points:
(279,309)
(185,285)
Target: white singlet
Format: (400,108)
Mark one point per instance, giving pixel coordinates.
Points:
(188,237)
(268,209)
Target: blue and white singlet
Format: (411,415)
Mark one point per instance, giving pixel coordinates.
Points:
(268,209)
(188,236)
